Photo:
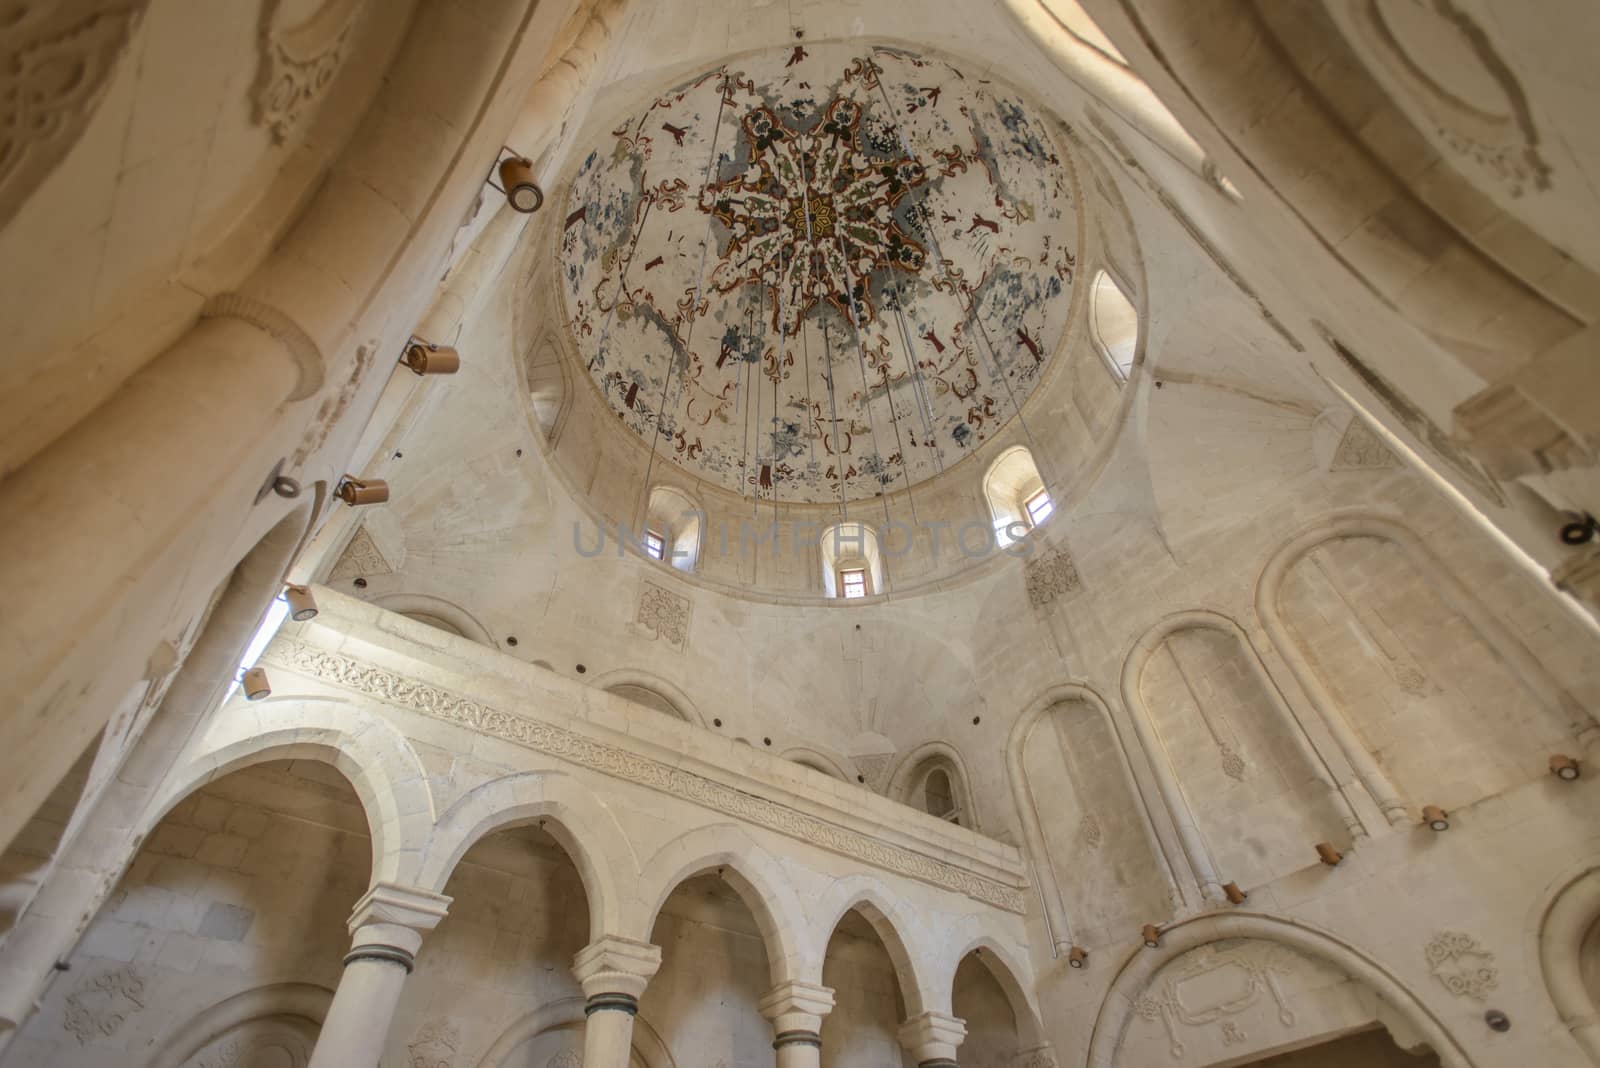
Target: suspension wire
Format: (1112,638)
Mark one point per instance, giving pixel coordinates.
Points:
(622,280)
(971,309)
(744,372)
(777,420)
(833,411)
(672,365)
(805,199)
(866,388)
(918,387)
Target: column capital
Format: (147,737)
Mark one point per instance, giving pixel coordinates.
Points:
(615,965)
(796,1009)
(932,1038)
(399,906)
(389,921)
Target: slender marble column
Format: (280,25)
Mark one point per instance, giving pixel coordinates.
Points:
(386,932)
(613,972)
(796,1010)
(932,1038)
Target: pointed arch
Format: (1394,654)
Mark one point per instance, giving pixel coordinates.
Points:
(1140,966)
(1570,910)
(754,874)
(1051,898)
(368,751)
(913,768)
(895,928)
(582,825)
(1012,974)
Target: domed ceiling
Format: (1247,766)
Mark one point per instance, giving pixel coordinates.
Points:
(825,271)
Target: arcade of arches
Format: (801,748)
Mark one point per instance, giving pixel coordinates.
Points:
(649,533)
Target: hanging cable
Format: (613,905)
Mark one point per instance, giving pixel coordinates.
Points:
(866,387)
(970,310)
(694,303)
(833,411)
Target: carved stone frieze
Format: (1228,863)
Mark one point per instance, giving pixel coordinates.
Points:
(1464,967)
(299,62)
(634,767)
(662,614)
(56,60)
(567,1058)
(360,557)
(1051,577)
(101,1005)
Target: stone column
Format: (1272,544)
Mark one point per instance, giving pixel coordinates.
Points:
(386,932)
(932,1037)
(613,972)
(796,1010)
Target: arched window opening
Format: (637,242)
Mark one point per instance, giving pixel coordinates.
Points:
(939,798)
(1018,500)
(672,525)
(1114,325)
(852,561)
(930,778)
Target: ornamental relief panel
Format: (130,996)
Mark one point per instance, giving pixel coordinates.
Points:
(1464,967)
(625,764)
(56,60)
(299,62)
(1211,986)
(102,1004)
(663,615)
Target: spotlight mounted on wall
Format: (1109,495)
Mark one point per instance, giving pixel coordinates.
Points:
(1328,855)
(255,684)
(426,358)
(354,491)
(1077,957)
(302,606)
(1235,895)
(1436,818)
(516,182)
(1152,936)
(1564,768)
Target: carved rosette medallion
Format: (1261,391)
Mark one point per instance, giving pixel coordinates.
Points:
(1210,985)
(299,62)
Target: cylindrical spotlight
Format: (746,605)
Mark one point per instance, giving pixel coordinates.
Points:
(302,606)
(1078,957)
(255,684)
(1152,936)
(426,358)
(1327,854)
(355,491)
(522,192)
(1436,818)
(1564,767)
(1235,895)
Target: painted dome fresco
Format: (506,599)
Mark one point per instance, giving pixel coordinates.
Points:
(826,272)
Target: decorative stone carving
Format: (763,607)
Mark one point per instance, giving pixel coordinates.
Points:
(1464,967)
(360,557)
(1415,420)
(1051,577)
(1495,127)
(1209,985)
(100,1006)
(633,767)
(663,614)
(56,60)
(1089,830)
(567,1058)
(271,319)
(1360,449)
(1043,1057)
(435,1045)
(875,769)
(298,63)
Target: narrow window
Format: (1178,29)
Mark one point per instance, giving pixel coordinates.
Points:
(1114,325)
(655,545)
(1039,508)
(854,582)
